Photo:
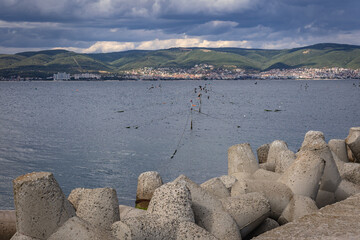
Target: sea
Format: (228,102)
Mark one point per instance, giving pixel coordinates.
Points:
(94,134)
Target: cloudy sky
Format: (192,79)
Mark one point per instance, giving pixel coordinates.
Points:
(117,25)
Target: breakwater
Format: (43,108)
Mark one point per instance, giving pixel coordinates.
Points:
(256,196)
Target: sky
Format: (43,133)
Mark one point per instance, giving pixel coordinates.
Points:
(96,26)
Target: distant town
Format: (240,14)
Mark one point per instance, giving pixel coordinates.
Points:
(202,72)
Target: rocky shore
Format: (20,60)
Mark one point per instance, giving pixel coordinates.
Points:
(311,194)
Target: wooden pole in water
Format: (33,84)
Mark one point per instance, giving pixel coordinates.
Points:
(191,125)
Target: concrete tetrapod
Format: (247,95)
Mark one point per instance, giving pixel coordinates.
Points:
(148,226)
(228,181)
(262,153)
(99,206)
(304,175)
(216,187)
(345,190)
(147,183)
(284,160)
(172,201)
(241,159)
(353,142)
(41,206)
(79,229)
(248,210)
(276,147)
(7,224)
(267,225)
(191,231)
(129,212)
(278,194)
(262,174)
(338,147)
(298,206)
(209,212)
(315,141)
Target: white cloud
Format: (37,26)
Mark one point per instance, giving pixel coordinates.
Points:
(106,46)
(103,47)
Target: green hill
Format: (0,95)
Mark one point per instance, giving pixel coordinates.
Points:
(45,63)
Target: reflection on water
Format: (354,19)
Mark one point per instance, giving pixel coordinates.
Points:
(104,134)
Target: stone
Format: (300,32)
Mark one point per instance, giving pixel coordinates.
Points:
(248,210)
(351,172)
(221,225)
(262,174)
(298,207)
(129,212)
(148,226)
(99,206)
(241,159)
(353,142)
(276,147)
(191,231)
(216,187)
(345,190)
(324,198)
(41,206)
(147,183)
(278,194)
(284,160)
(242,175)
(267,225)
(228,181)
(7,224)
(19,236)
(303,176)
(238,189)
(172,201)
(315,141)
(79,229)
(350,155)
(337,221)
(262,153)
(267,166)
(209,212)
(338,147)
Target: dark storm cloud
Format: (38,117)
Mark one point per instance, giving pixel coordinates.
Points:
(262,23)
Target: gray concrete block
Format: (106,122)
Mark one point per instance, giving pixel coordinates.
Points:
(216,187)
(241,159)
(278,194)
(172,201)
(248,210)
(191,231)
(99,206)
(284,160)
(353,142)
(298,207)
(314,141)
(263,175)
(267,225)
(147,183)
(129,212)
(262,153)
(41,206)
(345,190)
(7,224)
(338,147)
(79,229)
(276,147)
(303,176)
(209,212)
(228,181)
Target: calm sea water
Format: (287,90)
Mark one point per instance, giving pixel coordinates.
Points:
(104,134)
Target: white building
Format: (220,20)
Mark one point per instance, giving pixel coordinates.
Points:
(61,76)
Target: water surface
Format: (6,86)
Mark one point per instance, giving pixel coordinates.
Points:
(104,134)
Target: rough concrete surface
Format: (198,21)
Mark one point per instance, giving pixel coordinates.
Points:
(337,221)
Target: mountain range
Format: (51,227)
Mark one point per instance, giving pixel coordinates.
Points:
(45,63)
